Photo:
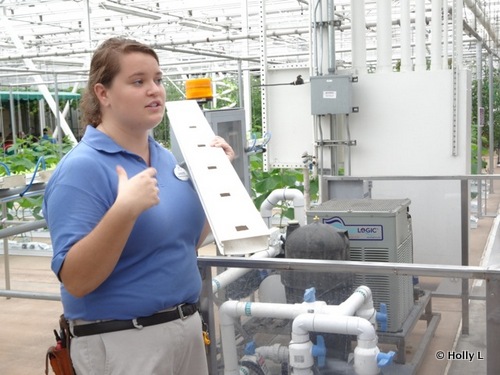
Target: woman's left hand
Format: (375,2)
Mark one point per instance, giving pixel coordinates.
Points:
(221,142)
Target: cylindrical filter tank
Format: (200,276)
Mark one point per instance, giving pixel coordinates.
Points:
(322,242)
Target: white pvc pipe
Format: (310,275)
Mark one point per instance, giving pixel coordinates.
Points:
(225,278)
(230,310)
(283,195)
(406,64)
(365,359)
(277,352)
(344,325)
(362,297)
(358,38)
(384,37)
(420,63)
(436,35)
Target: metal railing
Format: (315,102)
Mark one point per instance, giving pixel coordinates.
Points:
(9,195)
(463,272)
(491,277)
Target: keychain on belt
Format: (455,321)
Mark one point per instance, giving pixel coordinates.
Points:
(206,335)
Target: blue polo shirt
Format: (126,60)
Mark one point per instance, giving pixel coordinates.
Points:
(158,266)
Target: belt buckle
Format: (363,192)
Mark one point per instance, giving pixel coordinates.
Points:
(181,313)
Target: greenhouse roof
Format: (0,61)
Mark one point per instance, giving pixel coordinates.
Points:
(40,39)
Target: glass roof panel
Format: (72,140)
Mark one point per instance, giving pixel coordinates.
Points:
(192,37)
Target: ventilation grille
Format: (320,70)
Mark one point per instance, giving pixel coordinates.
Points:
(393,290)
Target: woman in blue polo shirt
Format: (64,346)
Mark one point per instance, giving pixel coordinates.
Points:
(125,223)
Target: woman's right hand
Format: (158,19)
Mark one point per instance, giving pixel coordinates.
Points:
(138,193)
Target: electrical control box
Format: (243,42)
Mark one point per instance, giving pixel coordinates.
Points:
(331,94)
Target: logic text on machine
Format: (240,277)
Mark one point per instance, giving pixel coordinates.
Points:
(358,232)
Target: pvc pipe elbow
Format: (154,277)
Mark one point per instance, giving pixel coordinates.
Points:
(366,331)
(279,195)
(227,313)
(301,326)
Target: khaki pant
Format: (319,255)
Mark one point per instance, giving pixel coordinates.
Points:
(173,348)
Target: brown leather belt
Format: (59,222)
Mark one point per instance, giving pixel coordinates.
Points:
(180,312)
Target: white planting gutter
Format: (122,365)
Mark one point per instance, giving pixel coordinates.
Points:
(230,310)
(278,195)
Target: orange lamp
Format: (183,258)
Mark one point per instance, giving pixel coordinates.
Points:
(199,89)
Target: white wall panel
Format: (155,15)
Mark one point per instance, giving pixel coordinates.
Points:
(288,117)
(404,127)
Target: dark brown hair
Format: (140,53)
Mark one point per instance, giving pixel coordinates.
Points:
(104,67)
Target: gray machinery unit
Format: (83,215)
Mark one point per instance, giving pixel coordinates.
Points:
(230,125)
(379,231)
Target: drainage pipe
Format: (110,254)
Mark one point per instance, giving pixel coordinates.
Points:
(283,195)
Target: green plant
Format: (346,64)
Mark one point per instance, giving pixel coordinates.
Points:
(485,129)
(22,158)
(484,152)
(264,182)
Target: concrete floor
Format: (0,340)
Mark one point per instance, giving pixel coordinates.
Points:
(27,324)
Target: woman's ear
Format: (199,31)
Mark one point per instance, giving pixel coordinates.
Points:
(101,93)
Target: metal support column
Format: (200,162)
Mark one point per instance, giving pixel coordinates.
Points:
(6,251)
(490,119)
(480,117)
(492,325)
(464,208)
